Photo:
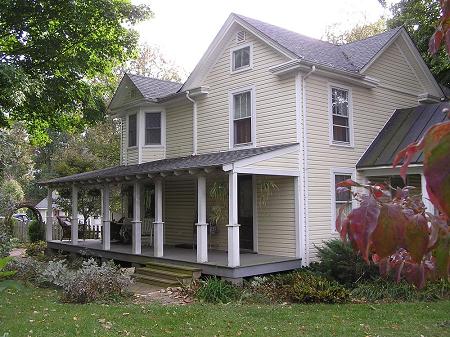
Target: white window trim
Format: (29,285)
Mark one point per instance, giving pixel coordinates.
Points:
(231,117)
(333,172)
(137,130)
(163,128)
(241,46)
(351,144)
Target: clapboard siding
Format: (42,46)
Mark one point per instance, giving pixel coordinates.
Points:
(371,109)
(179,129)
(276,219)
(123,141)
(287,161)
(152,153)
(275,100)
(394,70)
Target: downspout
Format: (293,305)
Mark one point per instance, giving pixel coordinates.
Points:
(305,164)
(194,123)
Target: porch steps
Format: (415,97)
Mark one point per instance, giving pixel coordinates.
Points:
(165,275)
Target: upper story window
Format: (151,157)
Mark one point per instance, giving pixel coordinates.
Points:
(242,118)
(132,130)
(241,58)
(153,128)
(341,116)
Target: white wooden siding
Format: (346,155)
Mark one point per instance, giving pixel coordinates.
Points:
(123,141)
(179,129)
(276,220)
(371,110)
(151,153)
(132,155)
(287,161)
(275,100)
(393,69)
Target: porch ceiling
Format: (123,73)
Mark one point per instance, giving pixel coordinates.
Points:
(151,169)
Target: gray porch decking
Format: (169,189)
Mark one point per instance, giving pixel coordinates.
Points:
(251,264)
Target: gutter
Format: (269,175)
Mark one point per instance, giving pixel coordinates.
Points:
(194,123)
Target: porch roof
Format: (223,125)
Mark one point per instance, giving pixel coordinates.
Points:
(216,159)
(404,127)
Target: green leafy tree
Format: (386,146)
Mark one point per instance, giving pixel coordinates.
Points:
(54,57)
(11,194)
(98,147)
(420,18)
(335,35)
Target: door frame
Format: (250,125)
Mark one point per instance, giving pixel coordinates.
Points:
(255,214)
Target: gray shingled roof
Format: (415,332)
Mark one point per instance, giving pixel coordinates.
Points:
(153,88)
(349,57)
(181,163)
(404,127)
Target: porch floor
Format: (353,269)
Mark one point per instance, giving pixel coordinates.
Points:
(251,263)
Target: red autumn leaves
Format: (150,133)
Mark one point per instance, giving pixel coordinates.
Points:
(442,33)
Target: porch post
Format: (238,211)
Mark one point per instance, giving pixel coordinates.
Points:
(136,239)
(106,218)
(49,220)
(158,224)
(74,233)
(425,197)
(202,226)
(234,258)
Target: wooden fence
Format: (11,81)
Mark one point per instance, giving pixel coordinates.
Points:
(20,230)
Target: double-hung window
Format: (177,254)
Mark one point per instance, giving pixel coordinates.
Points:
(340,115)
(241,58)
(153,128)
(242,118)
(132,130)
(341,199)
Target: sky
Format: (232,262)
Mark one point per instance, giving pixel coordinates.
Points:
(183,30)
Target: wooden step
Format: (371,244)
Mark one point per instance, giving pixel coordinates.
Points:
(155,281)
(172,267)
(162,273)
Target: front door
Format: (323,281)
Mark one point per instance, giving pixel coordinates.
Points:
(245,211)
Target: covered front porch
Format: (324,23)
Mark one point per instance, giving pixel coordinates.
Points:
(231,210)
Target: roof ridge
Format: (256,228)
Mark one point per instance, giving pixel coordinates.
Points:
(373,36)
(153,78)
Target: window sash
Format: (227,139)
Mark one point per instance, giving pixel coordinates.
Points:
(242,118)
(241,58)
(153,122)
(340,115)
(342,197)
(132,130)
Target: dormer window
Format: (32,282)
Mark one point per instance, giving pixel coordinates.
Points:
(132,130)
(241,58)
(153,128)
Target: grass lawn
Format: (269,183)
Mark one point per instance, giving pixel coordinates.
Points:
(37,312)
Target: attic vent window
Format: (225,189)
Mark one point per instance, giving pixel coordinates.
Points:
(133,93)
(240,36)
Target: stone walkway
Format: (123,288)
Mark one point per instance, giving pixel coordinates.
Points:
(17,252)
(145,293)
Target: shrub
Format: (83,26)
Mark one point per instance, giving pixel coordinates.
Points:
(55,273)
(215,290)
(310,288)
(5,275)
(27,269)
(338,261)
(36,231)
(389,291)
(36,249)
(93,282)
(5,245)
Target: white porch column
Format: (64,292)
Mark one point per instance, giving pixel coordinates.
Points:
(136,230)
(202,226)
(106,218)
(49,220)
(158,224)
(234,259)
(74,228)
(425,197)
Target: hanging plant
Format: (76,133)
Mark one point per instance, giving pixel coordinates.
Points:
(265,190)
(218,193)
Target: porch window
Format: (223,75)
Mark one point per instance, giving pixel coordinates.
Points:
(132,128)
(342,198)
(340,114)
(241,58)
(153,128)
(242,118)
